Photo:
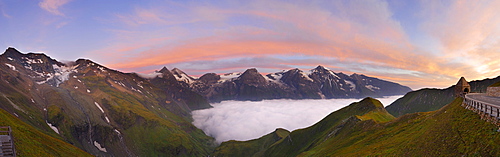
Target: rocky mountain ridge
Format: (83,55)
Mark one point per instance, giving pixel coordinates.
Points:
(318,83)
(102,111)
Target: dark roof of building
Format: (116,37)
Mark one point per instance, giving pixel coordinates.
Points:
(462,82)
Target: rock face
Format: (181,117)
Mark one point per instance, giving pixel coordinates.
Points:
(493,90)
(102,111)
(317,83)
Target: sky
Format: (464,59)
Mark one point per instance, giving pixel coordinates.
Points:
(246,120)
(422,43)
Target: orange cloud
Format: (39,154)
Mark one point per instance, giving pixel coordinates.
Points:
(469,33)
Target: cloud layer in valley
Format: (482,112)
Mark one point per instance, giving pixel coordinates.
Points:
(245,120)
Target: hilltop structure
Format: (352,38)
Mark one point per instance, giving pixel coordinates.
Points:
(462,87)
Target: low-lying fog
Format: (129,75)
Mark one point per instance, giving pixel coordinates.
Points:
(245,120)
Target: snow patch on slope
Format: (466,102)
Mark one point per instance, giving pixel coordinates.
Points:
(31,61)
(351,84)
(334,75)
(99,106)
(304,75)
(98,146)
(229,76)
(61,74)
(52,127)
(151,75)
(371,87)
(183,77)
(275,77)
(107,119)
(11,66)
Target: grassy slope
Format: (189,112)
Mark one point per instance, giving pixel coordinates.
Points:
(30,141)
(450,131)
(424,100)
(151,131)
(497,84)
(250,148)
(304,139)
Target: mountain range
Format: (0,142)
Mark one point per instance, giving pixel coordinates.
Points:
(83,108)
(317,83)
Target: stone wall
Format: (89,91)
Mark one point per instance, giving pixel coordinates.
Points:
(493,91)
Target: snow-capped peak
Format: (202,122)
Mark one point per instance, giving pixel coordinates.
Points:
(182,76)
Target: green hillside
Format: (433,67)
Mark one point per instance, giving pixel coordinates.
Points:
(497,84)
(426,99)
(303,140)
(422,100)
(250,148)
(30,141)
(450,131)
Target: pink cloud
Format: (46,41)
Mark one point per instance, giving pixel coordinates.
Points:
(169,15)
(2,10)
(52,6)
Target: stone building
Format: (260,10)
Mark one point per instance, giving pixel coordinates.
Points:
(462,87)
(493,90)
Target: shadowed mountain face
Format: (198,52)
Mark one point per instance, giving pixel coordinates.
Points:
(102,111)
(292,84)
